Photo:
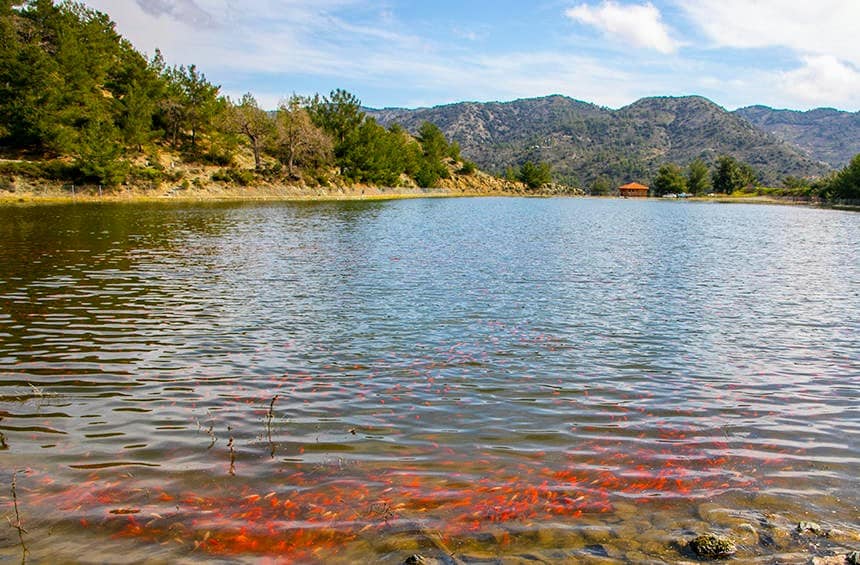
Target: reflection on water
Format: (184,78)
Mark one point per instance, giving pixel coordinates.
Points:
(566,380)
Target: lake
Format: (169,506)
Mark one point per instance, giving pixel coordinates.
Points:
(566,380)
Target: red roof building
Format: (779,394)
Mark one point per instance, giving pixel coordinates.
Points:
(633,190)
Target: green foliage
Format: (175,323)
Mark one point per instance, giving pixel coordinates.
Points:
(729,175)
(146,174)
(62,68)
(601,186)
(669,180)
(535,175)
(433,141)
(374,155)
(136,119)
(233,175)
(339,114)
(99,155)
(468,168)
(454,151)
(844,185)
(53,170)
(435,150)
(191,104)
(297,141)
(72,88)
(792,182)
(698,177)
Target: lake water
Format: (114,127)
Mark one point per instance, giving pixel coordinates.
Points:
(566,380)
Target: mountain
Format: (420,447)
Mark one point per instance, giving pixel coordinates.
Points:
(583,141)
(825,134)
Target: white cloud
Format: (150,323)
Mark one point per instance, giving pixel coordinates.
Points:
(271,41)
(184,10)
(640,24)
(822,27)
(274,36)
(822,80)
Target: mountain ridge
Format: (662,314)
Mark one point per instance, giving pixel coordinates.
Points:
(584,141)
(827,134)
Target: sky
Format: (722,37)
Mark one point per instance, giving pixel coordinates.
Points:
(797,54)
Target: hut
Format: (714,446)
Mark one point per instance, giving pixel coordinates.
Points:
(633,190)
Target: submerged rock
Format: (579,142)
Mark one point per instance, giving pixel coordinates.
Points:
(712,546)
(810,527)
(746,534)
(597,549)
(830,560)
(853,558)
(837,559)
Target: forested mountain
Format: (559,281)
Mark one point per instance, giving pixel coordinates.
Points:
(584,142)
(825,134)
(79,104)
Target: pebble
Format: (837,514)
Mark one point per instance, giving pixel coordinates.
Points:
(811,527)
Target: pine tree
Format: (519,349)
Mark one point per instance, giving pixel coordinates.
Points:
(698,177)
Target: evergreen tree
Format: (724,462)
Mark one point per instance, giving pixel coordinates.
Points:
(845,185)
(669,180)
(99,154)
(601,186)
(374,155)
(138,109)
(339,114)
(730,175)
(199,100)
(535,175)
(433,141)
(434,149)
(698,177)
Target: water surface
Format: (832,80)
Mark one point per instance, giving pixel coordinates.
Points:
(565,380)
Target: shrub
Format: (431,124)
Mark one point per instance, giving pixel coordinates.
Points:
(468,168)
(234,176)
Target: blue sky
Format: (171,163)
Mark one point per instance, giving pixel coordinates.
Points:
(783,53)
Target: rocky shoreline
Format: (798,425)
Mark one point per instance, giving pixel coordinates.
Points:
(716,535)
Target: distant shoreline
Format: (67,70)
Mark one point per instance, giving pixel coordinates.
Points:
(354,194)
(239,194)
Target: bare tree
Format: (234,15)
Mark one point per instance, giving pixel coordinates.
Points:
(246,118)
(298,142)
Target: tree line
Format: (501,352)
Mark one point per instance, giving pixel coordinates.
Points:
(91,108)
(728,175)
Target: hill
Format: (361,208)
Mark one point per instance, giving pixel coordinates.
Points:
(583,141)
(825,134)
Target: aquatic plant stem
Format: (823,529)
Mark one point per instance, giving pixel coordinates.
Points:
(270,415)
(17,525)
